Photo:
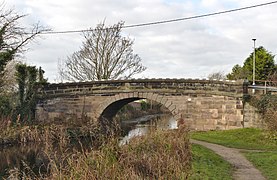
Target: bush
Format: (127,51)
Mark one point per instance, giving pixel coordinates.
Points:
(5,106)
(267,106)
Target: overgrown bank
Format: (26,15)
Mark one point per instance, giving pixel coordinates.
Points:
(159,155)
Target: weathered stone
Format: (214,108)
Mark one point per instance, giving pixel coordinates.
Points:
(203,104)
(214,113)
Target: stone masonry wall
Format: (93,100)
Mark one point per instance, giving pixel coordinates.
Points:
(68,109)
(210,112)
(251,117)
(200,112)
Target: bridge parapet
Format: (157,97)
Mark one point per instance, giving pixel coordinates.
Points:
(110,87)
(204,104)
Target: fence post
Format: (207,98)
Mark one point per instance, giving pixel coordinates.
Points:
(245,87)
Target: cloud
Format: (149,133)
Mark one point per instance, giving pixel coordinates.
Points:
(192,48)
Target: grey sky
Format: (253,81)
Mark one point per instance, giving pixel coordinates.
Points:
(186,49)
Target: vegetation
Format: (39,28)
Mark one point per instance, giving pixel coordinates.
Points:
(28,78)
(217,75)
(264,66)
(265,162)
(267,105)
(159,155)
(13,40)
(13,37)
(247,138)
(20,106)
(105,54)
(208,165)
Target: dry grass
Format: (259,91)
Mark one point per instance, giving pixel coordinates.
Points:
(159,155)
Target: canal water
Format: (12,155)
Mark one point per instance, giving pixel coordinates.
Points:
(32,158)
(146,124)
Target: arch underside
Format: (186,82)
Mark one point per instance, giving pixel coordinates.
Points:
(114,107)
(109,108)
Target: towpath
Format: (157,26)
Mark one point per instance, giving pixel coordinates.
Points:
(244,170)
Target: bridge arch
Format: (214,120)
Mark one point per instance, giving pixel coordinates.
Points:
(205,104)
(110,107)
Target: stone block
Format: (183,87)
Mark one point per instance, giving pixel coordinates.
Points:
(221,123)
(198,103)
(167,104)
(197,127)
(215,106)
(214,113)
(136,94)
(211,122)
(124,95)
(220,127)
(231,111)
(234,123)
(203,107)
(171,108)
(159,99)
(239,106)
(209,127)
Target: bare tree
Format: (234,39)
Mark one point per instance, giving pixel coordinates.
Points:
(13,36)
(273,78)
(104,54)
(217,75)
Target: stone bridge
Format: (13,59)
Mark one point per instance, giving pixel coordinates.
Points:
(201,104)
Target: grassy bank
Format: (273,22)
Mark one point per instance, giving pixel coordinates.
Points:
(248,138)
(208,165)
(266,162)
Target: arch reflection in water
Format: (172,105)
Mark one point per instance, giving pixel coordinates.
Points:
(161,122)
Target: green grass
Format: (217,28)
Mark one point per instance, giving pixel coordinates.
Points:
(266,162)
(247,138)
(208,165)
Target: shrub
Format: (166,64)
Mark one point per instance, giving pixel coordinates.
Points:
(267,106)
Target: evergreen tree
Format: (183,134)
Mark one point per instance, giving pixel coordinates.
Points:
(264,66)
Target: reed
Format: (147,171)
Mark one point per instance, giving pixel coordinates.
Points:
(159,155)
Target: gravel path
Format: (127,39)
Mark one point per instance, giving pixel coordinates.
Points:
(244,170)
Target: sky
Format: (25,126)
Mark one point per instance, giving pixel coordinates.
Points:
(186,49)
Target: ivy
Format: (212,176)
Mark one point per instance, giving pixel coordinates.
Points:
(28,78)
(267,102)
(267,107)
(5,106)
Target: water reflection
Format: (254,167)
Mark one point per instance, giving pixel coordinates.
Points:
(26,158)
(144,125)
